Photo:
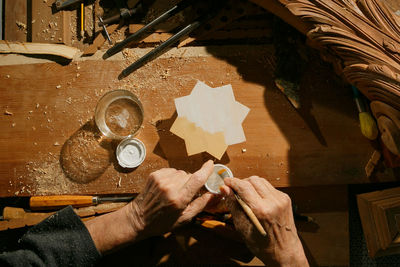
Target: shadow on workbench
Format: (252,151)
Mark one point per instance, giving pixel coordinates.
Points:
(323,132)
(188,245)
(173,149)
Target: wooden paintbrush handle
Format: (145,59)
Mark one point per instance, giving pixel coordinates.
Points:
(251,215)
(56,202)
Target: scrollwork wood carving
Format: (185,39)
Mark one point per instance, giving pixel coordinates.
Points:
(362,38)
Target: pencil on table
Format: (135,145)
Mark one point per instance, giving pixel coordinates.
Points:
(82,20)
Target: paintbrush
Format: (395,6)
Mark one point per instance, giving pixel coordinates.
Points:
(250,214)
(367,122)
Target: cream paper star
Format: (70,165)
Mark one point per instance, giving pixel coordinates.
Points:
(209,119)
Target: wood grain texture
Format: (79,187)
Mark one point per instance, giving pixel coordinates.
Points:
(50,107)
(37,49)
(49,27)
(15,13)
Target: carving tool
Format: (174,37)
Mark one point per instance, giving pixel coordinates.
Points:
(250,214)
(56,202)
(102,24)
(140,33)
(161,48)
(367,122)
(62,4)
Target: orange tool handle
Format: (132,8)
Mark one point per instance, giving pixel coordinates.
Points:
(56,202)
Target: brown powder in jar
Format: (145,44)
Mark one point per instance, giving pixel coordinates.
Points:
(123,117)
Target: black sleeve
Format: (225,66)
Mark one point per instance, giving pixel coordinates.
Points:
(60,240)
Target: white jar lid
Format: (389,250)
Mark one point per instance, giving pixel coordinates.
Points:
(131,152)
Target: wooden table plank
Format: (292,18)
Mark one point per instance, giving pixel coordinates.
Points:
(49,27)
(50,102)
(15,20)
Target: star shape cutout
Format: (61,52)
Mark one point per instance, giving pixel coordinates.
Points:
(209,119)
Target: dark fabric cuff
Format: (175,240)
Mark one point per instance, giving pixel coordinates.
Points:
(62,239)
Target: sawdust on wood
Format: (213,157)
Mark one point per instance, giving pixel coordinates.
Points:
(48,177)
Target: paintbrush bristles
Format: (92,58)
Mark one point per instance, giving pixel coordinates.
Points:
(368,125)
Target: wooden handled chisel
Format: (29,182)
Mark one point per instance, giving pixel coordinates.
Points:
(56,202)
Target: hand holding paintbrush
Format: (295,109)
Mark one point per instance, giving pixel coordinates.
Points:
(273,211)
(224,174)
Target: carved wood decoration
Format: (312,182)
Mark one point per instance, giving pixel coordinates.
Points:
(362,40)
(380,218)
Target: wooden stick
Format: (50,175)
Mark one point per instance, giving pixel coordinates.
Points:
(18,217)
(251,215)
(36,48)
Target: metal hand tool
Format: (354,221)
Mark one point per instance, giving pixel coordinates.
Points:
(61,4)
(161,48)
(102,24)
(168,43)
(124,13)
(54,202)
(139,34)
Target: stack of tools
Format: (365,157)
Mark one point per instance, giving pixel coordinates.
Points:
(209,16)
(184,31)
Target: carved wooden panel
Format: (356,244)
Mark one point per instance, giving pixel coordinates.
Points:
(362,40)
(380,218)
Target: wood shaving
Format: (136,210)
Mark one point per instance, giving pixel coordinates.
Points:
(9,113)
(21,25)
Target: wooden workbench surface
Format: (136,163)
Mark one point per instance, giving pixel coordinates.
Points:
(49,107)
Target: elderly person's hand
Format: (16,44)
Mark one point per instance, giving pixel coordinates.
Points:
(273,208)
(168,200)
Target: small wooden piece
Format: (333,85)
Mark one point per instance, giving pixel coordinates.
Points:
(18,217)
(36,48)
(99,41)
(11,213)
(390,134)
(378,212)
(373,161)
(99,209)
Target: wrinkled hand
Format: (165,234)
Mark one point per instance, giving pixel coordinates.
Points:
(169,200)
(273,208)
